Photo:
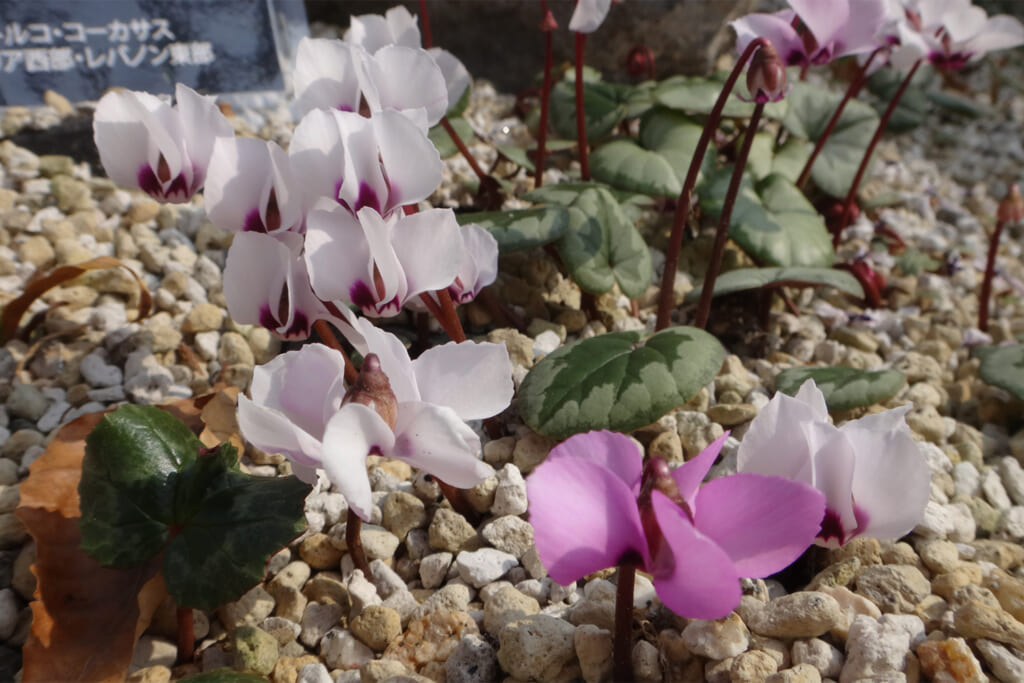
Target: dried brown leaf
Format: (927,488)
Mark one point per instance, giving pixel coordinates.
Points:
(40,284)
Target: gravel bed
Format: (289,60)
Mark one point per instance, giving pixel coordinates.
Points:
(459,600)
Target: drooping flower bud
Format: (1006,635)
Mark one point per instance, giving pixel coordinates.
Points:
(640,62)
(373,390)
(548,23)
(1011,209)
(766,77)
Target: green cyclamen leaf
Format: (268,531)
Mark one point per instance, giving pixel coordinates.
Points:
(521,228)
(602,247)
(446,147)
(1003,366)
(844,388)
(627,165)
(604,106)
(148,486)
(810,109)
(754,278)
(619,381)
(772,221)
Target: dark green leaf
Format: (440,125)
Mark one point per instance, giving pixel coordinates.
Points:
(604,106)
(456,110)
(148,488)
(626,165)
(225,545)
(602,246)
(790,158)
(755,278)
(913,262)
(913,107)
(446,147)
(759,163)
(521,228)
(844,388)
(810,109)
(958,104)
(772,221)
(128,487)
(518,155)
(1003,366)
(619,381)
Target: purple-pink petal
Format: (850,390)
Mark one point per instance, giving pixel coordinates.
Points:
(763,523)
(689,475)
(693,576)
(584,516)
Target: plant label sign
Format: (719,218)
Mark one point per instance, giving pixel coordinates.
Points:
(80,49)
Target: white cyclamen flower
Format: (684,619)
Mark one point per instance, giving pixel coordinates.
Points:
(875,479)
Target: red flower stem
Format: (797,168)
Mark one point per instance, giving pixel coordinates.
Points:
(325,332)
(622,643)
(990,271)
(855,85)
(675,243)
(463,149)
(354,542)
(428,41)
(581,118)
(844,220)
(444,312)
(186,636)
(722,231)
(457,499)
(545,97)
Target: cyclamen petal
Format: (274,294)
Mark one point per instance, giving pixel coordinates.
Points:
(325,76)
(403,78)
(266,283)
(351,434)
(875,480)
(372,31)
(478,266)
(164,151)
(440,374)
(434,439)
(251,187)
(588,15)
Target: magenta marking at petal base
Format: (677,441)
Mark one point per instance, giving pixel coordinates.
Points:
(361,295)
(268,319)
(299,326)
(367,197)
(148,182)
(253,222)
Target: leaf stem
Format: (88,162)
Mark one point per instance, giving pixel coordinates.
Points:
(545,97)
(722,231)
(327,335)
(428,40)
(463,149)
(354,541)
(990,270)
(443,309)
(622,645)
(186,635)
(855,86)
(581,118)
(668,278)
(844,220)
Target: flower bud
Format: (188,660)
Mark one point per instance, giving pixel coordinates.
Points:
(640,62)
(548,23)
(1011,209)
(373,390)
(766,77)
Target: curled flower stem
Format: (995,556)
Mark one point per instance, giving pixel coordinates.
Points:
(581,118)
(545,97)
(354,542)
(844,221)
(855,85)
(668,278)
(325,332)
(722,231)
(463,149)
(186,635)
(622,645)
(428,40)
(444,310)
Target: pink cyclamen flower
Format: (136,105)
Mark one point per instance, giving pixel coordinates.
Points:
(873,475)
(831,29)
(588,15)
(950,33)
(593,504)
(380,263)
(144,142)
